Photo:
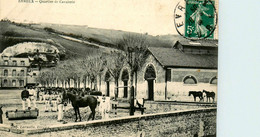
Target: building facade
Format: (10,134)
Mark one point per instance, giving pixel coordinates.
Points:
(13,72)
(170,73)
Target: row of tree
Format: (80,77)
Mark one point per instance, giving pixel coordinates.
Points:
(132,52)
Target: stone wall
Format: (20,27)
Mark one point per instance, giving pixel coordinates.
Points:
(200,122)
(168,106)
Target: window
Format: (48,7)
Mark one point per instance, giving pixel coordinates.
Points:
(34,74)
(22,73)
(189,80)
(5,72)
(14,73)
(14,83)
(6,62)
(22,63)
(14,62)
(5,82)
(21,83)
(214,80)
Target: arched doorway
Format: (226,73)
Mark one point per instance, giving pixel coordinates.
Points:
(150,76)
(107,80)
(125,78)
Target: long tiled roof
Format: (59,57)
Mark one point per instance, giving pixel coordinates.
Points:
(170,57)
(201,43)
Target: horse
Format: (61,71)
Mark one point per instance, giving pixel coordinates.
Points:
(78,102)
(96,93)
(209,95)
(196,94)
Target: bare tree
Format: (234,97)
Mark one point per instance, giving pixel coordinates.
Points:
(96,66)
(84,69)
(134,48)
(114,63)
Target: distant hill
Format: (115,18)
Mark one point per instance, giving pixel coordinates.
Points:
(14,33)
(105,37)
(74,40)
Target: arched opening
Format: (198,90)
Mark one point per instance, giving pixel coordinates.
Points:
(5,72)
(214,80)
(14,73)
(21,83)
(14,83)
(5,83)
(125,78)
(189,80)
(150,75)
(107,80)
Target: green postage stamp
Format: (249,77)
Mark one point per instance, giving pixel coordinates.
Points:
(195,19)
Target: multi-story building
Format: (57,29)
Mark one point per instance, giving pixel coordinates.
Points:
(13,71)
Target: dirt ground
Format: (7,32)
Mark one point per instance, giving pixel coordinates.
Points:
(10,100)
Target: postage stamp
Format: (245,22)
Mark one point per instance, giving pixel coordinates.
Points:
(195,19)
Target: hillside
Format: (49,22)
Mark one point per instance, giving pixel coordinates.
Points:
(74,41)
(14,33)
(105,37)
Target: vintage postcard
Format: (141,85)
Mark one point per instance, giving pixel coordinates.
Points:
(108,68)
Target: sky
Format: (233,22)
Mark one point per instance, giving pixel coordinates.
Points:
(152,16)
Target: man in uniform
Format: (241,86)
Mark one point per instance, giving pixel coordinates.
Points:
(60,108)
(25,97)
(104,107)
(33,95)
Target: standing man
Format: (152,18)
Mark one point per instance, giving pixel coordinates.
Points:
(60,108)
(105,107)
(25,97)
(33,95)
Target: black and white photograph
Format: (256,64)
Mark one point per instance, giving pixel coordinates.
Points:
(127,68)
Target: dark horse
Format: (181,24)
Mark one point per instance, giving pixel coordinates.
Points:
(209,95)
(78,102)
(196,94)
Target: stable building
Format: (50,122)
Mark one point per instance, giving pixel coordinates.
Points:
(169,73)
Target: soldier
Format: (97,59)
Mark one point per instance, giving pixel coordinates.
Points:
(33,95)
(47,100)
(60,108)
(25,97)
(54,106)
(104,107)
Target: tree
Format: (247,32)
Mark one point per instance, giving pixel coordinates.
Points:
(134,48)
(114,63)
(96,66)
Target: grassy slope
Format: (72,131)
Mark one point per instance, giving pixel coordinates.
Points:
(107,35)
(36,31)
(11,34)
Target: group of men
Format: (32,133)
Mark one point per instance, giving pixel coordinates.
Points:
(52,99)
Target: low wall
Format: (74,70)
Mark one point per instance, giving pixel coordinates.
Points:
(200,122)
(168,106)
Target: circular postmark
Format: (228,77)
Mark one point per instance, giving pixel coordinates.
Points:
(195,19)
